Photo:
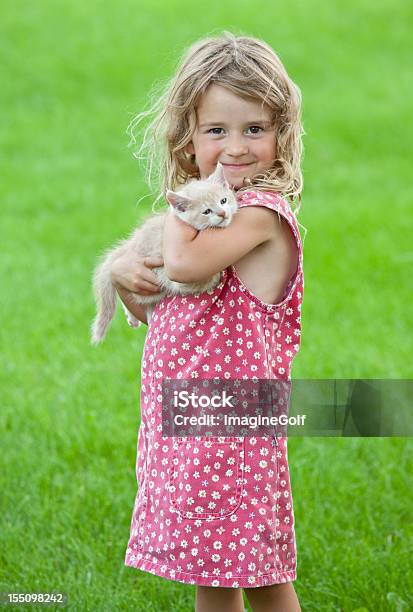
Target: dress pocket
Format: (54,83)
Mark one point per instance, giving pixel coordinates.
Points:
(207,476)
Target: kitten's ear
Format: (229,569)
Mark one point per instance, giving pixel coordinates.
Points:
(177,200)
(218,176)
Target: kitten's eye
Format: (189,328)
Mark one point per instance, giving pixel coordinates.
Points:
(224,201)
(208,211)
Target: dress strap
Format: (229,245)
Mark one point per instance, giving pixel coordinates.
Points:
(278,204)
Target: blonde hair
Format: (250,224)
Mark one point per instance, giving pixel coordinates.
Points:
(248,67)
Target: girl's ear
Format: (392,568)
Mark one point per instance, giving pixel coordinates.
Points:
(189,148)
(178,201)
(218,176)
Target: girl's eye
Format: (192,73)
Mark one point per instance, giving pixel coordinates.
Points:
(212,130)
(255,127)
(208,211)
(224,201)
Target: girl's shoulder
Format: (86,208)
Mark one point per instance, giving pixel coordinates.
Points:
(274,201)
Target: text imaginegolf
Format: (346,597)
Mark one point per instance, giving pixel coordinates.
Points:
(250,421)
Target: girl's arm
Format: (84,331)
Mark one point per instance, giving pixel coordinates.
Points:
(192,256)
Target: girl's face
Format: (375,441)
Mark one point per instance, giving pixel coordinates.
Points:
(236,132)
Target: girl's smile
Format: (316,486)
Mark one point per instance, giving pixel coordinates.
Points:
(236,166)
(235,131)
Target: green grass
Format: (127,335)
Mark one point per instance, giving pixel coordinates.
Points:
(73,74)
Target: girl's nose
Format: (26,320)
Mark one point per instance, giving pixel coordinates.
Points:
(237,147)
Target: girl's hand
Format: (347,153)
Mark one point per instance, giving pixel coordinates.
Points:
(136,275)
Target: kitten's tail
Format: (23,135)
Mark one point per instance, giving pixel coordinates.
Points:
(105,296)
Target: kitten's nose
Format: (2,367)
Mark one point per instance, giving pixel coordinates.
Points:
(222,214)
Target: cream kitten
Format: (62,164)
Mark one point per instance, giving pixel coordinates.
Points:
(201,203)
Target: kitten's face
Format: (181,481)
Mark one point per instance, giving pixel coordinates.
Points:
(205,203)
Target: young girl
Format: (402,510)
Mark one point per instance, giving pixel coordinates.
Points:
(231,101)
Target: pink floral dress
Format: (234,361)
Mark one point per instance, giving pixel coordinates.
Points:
(217,511)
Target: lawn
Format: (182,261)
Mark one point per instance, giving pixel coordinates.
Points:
(73,76)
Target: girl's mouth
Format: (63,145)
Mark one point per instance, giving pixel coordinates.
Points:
(237,166)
